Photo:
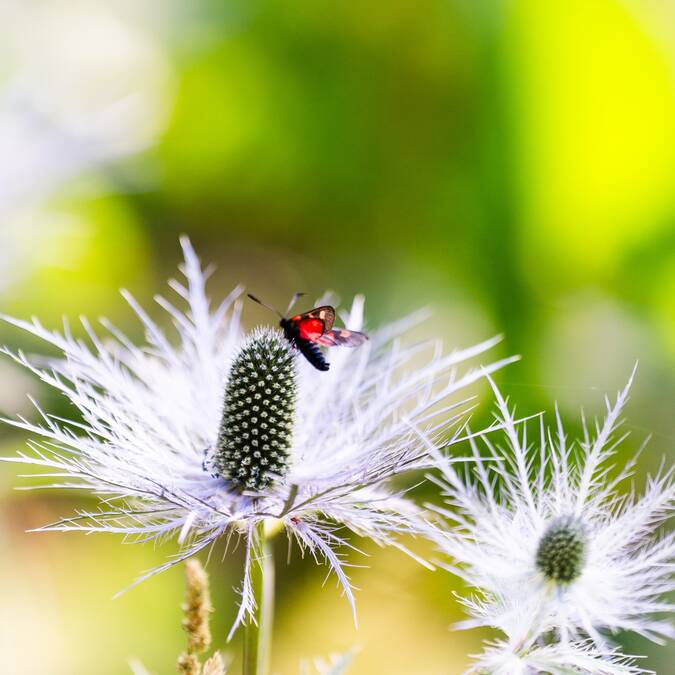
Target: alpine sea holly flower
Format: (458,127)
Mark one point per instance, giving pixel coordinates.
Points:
(553,549)
(209,432)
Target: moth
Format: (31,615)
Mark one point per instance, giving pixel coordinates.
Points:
(310,329)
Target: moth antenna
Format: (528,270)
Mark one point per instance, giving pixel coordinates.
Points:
(260,302)
(294,299)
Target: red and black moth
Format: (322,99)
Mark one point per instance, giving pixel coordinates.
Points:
(309,330)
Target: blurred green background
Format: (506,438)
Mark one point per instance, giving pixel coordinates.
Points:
(510,164)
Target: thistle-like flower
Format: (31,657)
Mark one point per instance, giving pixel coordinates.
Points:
(217,433)
(557,555)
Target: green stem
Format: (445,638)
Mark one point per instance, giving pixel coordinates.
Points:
(258,633)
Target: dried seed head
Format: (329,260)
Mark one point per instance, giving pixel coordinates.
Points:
(188,664)
(197,607)
(257,424)
(214,666)
(562,550)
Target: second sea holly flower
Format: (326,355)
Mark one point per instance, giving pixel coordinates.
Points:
(561,554)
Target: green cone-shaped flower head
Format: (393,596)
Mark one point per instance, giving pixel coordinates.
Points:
(562,550)
(256,429)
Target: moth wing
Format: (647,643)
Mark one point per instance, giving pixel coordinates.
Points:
(315,323)
(341,337)
(310,329)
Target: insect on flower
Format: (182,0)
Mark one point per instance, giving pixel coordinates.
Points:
(308,330)
(284,451)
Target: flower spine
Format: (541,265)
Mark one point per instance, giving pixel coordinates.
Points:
(252,450)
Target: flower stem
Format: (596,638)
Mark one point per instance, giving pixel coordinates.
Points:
(258,633)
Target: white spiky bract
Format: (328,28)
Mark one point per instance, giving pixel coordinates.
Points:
(149,413)
(504,506)
(501,658)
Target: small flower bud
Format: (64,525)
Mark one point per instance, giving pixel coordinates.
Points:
(562,550)
(257,424)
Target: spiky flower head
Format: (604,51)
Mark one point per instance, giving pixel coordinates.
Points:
(561,550)
(256,430)
(161,431)
(550,545)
